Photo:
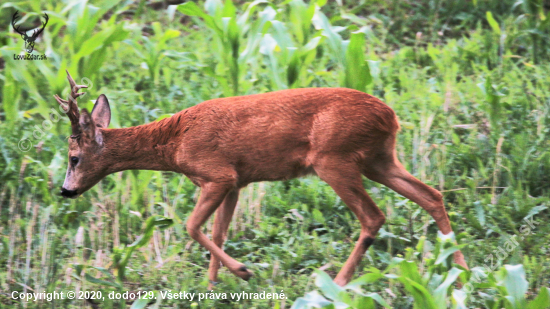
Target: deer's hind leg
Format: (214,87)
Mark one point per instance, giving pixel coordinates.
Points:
(391,173)
(345,178)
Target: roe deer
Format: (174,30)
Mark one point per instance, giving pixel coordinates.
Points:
(224,144)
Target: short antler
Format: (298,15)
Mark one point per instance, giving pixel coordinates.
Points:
(70,107)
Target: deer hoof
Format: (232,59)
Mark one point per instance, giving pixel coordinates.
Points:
(212,284)
(243,273)
(340,282)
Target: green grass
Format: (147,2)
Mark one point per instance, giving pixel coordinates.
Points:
(471,90)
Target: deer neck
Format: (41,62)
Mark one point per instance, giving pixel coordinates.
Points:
(145,147)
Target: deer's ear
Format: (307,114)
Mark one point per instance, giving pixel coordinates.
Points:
(101,113)
(86,124)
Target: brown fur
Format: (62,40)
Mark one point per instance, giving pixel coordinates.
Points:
(224,144)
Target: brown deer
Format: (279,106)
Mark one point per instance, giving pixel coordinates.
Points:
(224,144)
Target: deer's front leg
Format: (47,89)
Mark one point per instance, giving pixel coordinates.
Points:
(219,231)
(211,197)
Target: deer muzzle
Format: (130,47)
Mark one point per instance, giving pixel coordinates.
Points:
(68,193)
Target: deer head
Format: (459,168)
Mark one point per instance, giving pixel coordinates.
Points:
(85,167)
(29,40)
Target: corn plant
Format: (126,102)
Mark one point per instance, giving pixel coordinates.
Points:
(122,255)
(511,288)
(493,106)
(231,32)
(153,50)
(82,49)
(286,60)
(301,16)
(348,54)
(538,26)
(288,49)
(87,44)
(432,288)
(10,97)
(470,95)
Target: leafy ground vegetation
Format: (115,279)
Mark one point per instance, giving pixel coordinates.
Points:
(469,81)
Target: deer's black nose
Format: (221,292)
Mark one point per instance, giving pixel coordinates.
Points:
(68,193)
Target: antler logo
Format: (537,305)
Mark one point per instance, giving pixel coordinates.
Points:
(29,40)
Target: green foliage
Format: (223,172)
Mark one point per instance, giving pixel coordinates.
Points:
(121,256)
(357,72)
(153,51)
(432,288)
(83,49)
(283,57)
(10,96)
(468,80)
(349,54)
(231,32)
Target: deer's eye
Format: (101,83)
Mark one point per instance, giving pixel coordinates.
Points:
(74,161)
